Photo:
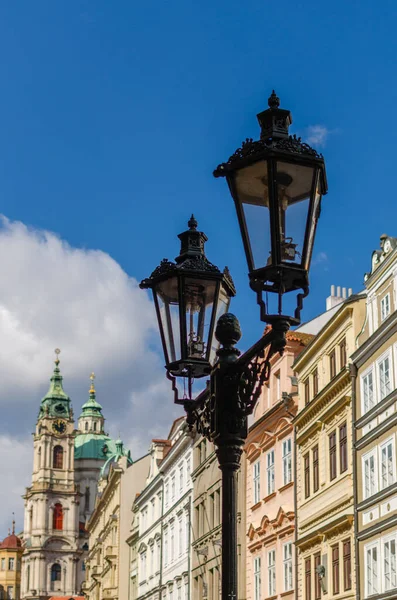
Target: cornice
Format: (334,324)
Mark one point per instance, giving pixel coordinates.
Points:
(379,337)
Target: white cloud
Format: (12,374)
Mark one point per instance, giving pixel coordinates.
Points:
(321,257)
(53,295)
(317,135)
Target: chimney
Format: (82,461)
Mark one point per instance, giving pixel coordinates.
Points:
(336,298)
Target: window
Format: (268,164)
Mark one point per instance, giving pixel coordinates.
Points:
(342,354)
(307,391)
(270,472)
(256,482)
(271,572)
(367,390)
(166,494)
(188,468)
(343,447)
(180,536)
(11,564)
(347,565)
(370,474)
(332,364)
(287,566)
(56,572)
(335,569)
(387,464)
(385,307)
(153,509)
(316,474)
(315,382)
(95,424)
(257,578)
(57,462)
(143,566)
(172,543)
(389,564)
(181,481)
(384,377)
(277,385)
(173,486)
(3,564)
(287,461)
(371,570)
(332,455)
(317,581)
(306,462)
(308,579)
(57,517)
(10,592)
(39,458)
(86,426)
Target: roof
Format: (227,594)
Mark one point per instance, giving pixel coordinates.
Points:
(97,446)
(56,403)
(11,542)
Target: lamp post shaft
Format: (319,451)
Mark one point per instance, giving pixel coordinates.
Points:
(229,468)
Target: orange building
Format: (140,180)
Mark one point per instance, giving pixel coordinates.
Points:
(270,480)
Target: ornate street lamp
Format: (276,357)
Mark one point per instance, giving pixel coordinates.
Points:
(277,184)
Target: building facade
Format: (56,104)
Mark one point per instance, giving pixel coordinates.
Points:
(160,536)
(374,376)
(325,554)
(66,468)
(269,450)
(206,531)
(107,564)
(10,566)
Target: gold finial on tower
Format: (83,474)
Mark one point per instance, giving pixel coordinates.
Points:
(57,353)
(92,388)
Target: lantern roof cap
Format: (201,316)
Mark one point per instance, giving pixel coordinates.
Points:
(274,138)
(191,258)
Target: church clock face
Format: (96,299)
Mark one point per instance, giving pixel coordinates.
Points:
(59,426)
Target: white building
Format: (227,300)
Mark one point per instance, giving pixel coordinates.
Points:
(160,546)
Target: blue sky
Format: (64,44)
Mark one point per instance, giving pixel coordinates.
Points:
(114,114)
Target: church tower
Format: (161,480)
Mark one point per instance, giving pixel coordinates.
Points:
(52,501)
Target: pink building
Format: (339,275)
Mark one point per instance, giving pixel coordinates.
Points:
(269,450)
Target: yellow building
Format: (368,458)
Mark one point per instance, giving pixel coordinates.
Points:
(107,565)
(375,385)
(10,566)
(324,463)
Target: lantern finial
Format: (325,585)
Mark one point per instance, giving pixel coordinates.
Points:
(192,223)
(274,100)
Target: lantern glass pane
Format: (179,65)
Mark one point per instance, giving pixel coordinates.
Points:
(168,301)
(253,196)
(199,301)
(312,225)
(221,308)
(294,185)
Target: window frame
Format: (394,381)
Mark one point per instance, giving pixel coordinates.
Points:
(379,361)
(287,461)
(335,564)
(343,453)
(306,387)
(333,462)
(382,316)
(332,364)
(342,353)
(308,577)
(256,482)
(373,452)
(288,581)
(317,583)
(390,440)
(306,471)
(270,473)
(315,382)
(271,572)
(316,469)
(257,577)
(369,547)
(369,371)
(383,541)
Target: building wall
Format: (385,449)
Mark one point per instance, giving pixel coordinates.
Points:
(10,574)
(270,523)
(324,461)
(374,376)
(206,531)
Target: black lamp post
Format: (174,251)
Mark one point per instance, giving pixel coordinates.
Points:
(276,184)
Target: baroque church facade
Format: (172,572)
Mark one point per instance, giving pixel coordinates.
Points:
(67,465)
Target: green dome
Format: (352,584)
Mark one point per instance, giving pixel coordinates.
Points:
(56,403)
(97,446)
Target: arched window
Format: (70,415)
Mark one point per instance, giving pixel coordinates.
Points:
(58,457)
(56,572)
(57,520)
(95,426)
(39,458)
(86,425)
